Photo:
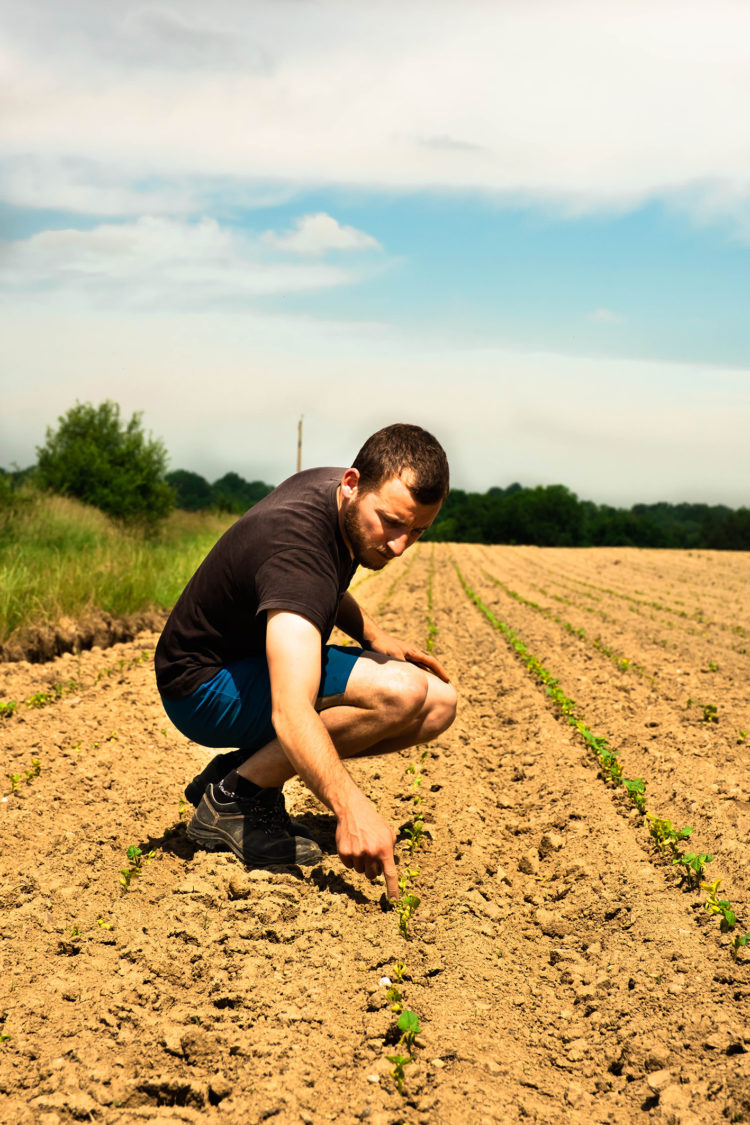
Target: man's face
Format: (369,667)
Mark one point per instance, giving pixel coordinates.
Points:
(380,525)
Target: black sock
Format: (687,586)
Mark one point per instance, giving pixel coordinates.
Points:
(236,788)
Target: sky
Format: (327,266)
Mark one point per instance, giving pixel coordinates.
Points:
(522,224)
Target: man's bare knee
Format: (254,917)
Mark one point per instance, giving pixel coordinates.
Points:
(440,708)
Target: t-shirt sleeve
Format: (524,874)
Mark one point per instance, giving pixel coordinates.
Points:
(301,583)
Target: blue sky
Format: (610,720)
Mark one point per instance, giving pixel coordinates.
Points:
(526,227)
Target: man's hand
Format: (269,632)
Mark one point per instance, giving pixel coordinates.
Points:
(402,650)
(365,842)
(365,630)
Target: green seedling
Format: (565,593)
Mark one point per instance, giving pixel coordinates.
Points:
(636,790)
(713,666)
(710,713)
(739,943)
(399,969)
(395,999)
(181,810)
(8,708)
(75,932)
(4,1037)
(694,864)
(742,737)
(666,836)
(14,781)
(36,769)
(397,1074)
(406,907)
(408,1025)
(720,906)
(415,835)
(406,877)
(38,699)
(137,860)
(104,925)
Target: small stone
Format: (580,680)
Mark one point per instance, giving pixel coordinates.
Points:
(674,1098)
(503,877)
(550,842)
(529,863)
(659,1080)
(439,1063)
(574,1094)
(220,1087)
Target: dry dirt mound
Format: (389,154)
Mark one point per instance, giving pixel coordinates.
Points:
(559,967)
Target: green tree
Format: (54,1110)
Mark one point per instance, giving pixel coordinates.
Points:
(192,490)
(96,457)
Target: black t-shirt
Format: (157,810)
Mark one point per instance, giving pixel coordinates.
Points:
(287,552)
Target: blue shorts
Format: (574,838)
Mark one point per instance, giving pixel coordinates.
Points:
(234,707)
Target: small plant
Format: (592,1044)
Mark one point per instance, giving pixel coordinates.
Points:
(15,779)
(399,970)
(739,943)
(742,737)
(408,1025)
(395,999)
(181,810)
(636,790)
(694,864)
(415,835)
(397,1074)
(36,769)
(75,932)
(38,699)
(406,907)
(137,860)
(710,713)
(104,925)
(4,1036)
(666,836)
(7,709)
(720,906)
(713,666)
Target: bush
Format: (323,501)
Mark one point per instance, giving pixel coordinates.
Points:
(95,457)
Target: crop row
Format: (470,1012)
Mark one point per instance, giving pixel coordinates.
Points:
(667,838)
(697,617)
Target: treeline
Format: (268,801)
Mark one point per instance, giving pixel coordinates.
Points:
(553,516)
(231,493)
(97,457)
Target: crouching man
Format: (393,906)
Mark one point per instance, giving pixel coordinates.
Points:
(244,660)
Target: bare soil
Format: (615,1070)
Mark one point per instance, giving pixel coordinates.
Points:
(560,967)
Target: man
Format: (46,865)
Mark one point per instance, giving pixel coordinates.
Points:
(244,660)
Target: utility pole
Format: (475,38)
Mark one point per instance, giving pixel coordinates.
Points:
(299,443)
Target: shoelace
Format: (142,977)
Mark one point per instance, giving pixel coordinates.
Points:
(269,811)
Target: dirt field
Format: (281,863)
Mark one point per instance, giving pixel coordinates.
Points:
(560,967)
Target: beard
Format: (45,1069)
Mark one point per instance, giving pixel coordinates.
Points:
(373,558)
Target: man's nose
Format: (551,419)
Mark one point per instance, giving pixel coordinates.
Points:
(398,546)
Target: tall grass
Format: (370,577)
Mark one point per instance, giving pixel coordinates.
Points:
(60,558)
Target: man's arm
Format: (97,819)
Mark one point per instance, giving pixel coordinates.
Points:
(358,625)
(363,839)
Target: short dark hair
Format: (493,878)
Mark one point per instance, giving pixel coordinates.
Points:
(400,449)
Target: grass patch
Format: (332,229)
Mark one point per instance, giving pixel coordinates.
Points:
(60,558)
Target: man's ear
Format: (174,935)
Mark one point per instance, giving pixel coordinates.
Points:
(350,483)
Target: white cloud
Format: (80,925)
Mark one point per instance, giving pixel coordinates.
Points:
(605,316)
(315,234)
(157,262)
(581,104)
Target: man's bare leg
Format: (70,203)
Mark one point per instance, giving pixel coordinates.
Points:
(388,705)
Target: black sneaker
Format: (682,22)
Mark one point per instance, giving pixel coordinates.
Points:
(256,830)
(217,769)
